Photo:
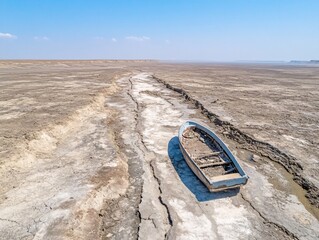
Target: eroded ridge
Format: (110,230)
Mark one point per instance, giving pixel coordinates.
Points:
(289,162)
(63,177)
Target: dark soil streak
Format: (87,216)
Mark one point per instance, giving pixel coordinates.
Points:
(133,195)
(136,110)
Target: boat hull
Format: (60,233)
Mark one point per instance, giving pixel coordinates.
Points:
(218,185)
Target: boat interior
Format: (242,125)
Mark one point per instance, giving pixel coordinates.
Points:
(208,155)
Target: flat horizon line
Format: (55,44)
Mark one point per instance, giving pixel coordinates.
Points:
(293,62)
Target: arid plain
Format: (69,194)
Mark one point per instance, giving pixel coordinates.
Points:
(88,150)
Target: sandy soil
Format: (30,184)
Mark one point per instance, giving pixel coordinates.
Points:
(89,151)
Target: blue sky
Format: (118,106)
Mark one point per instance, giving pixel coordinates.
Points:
(198,30)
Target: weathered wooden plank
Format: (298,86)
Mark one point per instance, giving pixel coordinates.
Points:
(213,164)
(214,154)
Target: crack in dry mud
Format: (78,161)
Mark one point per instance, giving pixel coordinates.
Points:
(8,220)
(137,111)
(133,193)
(289,162)
(20,225)
(169,217)
(151,220)
(268,222)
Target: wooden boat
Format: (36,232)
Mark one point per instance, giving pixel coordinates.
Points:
(209,158)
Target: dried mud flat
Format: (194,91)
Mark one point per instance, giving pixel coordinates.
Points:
(88,150)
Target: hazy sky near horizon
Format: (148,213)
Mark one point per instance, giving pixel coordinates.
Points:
(198,30)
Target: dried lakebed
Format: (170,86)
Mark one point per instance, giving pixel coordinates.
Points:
(117,172)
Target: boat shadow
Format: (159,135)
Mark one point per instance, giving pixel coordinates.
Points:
(190,180)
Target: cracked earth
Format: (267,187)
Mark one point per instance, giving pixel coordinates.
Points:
(93,154)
